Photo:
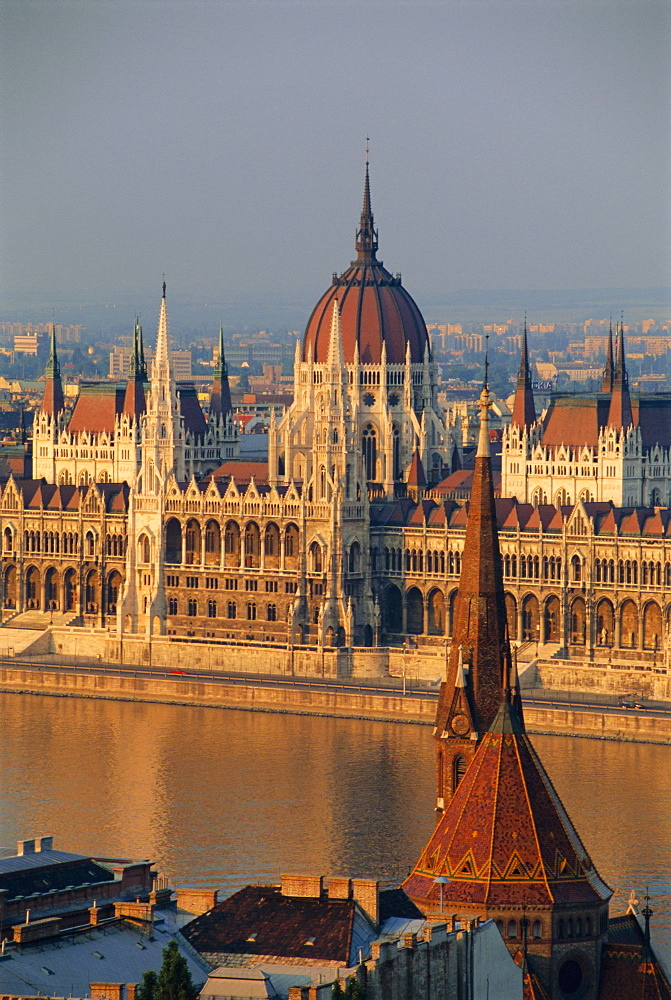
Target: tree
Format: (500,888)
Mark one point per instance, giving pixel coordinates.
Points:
(173,981)
(147,988)
(353,990)
(336,991)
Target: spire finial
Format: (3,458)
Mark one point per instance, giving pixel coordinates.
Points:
(366,235)
(164,286)
(484,403)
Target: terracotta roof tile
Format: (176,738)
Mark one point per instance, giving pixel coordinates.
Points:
(242,472)
(97,407)
(526,850)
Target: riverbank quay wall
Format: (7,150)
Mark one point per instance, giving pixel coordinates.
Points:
(545,675)
(291,696)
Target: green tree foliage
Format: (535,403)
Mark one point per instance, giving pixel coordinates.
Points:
(173,981)
(147,988)
(353,990)
(336,992)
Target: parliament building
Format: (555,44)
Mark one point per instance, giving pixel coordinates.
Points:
(141,519)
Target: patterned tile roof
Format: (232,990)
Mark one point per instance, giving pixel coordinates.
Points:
(505,838)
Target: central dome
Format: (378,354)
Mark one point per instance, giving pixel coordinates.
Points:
(375,309)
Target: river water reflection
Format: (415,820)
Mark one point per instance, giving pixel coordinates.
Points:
(222,797)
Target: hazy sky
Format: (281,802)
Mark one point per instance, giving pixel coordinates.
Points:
(513,145)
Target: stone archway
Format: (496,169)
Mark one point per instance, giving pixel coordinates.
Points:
(415,611)
(605,623)
(436,613)
(530,618)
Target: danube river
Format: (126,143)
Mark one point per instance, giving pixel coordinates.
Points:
(221,797)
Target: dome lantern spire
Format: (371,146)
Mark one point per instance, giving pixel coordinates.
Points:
(366,234)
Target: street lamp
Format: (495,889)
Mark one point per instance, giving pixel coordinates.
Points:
(441,881)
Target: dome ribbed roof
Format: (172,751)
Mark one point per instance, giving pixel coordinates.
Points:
(374,306)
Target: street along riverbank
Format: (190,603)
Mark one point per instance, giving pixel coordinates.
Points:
(385,700)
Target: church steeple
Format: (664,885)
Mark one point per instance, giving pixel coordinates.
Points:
(220,399)
(619,414)
(608,371)
(52,402)
(366,234)
(480,635)
(524,410)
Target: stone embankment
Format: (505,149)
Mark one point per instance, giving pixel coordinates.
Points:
(386,684)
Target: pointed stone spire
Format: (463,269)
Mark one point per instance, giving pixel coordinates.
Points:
(366,234)
(134,400)
(609,368)
(480,631)
(619,414)
(52,401)
(220,399)
(336,358)
(524,410)
(161,368)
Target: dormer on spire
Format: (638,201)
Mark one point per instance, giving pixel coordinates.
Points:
(620,414)
(609,368)
(220,399)
(52,401)
(524,410)
(366,234)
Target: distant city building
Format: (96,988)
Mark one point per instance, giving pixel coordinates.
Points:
(121,357)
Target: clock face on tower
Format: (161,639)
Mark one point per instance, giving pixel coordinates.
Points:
(460,725)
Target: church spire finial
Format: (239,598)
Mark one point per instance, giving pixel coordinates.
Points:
(366,234)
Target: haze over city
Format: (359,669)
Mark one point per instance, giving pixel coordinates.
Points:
(513,146)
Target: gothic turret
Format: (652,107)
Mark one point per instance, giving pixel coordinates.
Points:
(134,400)
(220,399)
(524,410)
(480,660)
(619,414)
(52,401)
(609,368)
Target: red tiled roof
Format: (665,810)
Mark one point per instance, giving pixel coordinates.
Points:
(97,407)
(524,848)
(242,472)
(625,976)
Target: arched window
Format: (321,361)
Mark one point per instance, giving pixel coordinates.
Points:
(458,771)
(369,450)
(315,558)
(537,931)
(231,610)
(512,930)
(251,611)
(576,569)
